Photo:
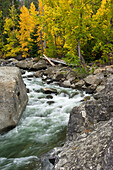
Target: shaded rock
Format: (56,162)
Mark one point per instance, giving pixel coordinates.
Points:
(99,88)
(92,79)
(41,65)
(28,91)
(99,70)
(13,97)
(38,73)
(109,69)
(66,83)
(49,97)
(50,102)
(91,88)
(49,159)
(88,152)
(90,132)
(107,162)
(97,110)
(31,65)
(79,84)
(59,76)
(49,90)
(3,62)
(25,64)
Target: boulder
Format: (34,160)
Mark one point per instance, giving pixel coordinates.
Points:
(31,65)
(85,116)
(25,64)
(13,97)
(79,84)
(92,79)
(41,65)
(92,152)
(89,142)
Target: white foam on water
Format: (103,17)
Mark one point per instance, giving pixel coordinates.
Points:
(42,124)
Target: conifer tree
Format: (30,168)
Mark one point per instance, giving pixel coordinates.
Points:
(11,47)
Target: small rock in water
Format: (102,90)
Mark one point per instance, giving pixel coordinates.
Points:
(49,90)
(49,97)
(27,90)
(50,102)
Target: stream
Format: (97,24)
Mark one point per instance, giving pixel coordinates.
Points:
(41,127)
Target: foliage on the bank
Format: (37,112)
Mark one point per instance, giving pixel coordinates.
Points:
(72,29)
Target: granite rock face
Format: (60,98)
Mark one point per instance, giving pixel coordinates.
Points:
(89,142)
(13,97)
(91,152)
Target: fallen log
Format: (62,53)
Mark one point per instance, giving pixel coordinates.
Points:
(50,62)
(54,61)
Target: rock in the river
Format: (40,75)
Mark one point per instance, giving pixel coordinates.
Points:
(49,90)
(13,97)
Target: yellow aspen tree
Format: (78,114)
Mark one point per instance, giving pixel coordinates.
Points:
(103,29)
(40,23)
(24,32)
(27,26)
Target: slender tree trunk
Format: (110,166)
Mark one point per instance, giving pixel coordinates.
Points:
(44,43)
(23,2)
(56,46)
(79,53)
(44,29)
(79,48)
(41,41)
(40,30)
(12,2)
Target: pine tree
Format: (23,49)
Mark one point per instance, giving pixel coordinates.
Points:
(11,47)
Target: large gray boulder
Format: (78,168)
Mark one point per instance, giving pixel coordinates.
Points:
(13,97)
(90,134)
(94,152)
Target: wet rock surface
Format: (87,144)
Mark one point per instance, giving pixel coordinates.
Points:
(13,97)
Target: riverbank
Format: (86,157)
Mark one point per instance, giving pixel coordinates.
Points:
(89,142)
(89,134)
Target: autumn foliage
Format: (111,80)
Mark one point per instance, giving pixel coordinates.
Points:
(69,29)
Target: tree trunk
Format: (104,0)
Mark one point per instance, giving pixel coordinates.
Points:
(12,2)
(79,53)
(56,46)
(40,30)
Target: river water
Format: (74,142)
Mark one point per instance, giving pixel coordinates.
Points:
(41,127)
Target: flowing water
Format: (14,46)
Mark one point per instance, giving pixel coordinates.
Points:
(41,128)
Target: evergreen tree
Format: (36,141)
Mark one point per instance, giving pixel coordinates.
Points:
(11,46)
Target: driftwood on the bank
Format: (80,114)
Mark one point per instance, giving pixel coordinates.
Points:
(53,61)
(49,60)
